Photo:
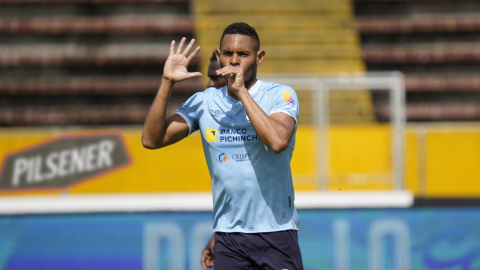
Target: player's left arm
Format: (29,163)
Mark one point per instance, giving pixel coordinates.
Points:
(275,131)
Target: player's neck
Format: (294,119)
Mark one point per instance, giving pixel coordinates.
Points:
(248,85)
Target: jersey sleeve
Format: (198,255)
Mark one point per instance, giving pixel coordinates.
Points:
(189,111)
(286,101)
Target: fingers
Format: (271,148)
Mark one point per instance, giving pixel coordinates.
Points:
(228,70)
(180,46)
(189,47)
(194,74)
(206,262)
(194,53)
(172,47)
(204,259)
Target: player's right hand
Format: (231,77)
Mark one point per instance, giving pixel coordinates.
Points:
(175,68)
(235,78)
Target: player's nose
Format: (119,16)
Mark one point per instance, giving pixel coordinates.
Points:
(234,60)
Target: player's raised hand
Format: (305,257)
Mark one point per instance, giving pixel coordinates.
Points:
(234,76)
(175,68)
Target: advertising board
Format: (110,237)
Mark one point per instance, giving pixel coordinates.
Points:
(343,239)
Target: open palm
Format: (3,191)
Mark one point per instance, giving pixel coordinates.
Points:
(175,68)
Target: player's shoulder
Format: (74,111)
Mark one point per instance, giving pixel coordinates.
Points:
(198,95)
(212,91)
(208,93)
(274,87)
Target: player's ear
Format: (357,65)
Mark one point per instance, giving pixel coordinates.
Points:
(217,54)
(260,57)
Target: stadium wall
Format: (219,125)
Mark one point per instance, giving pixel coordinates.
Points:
(436,157)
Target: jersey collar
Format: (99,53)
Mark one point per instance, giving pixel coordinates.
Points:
(255,87)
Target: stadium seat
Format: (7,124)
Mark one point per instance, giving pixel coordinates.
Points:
(96,26)
(87,55)
(65,86)
(414,24)
(443,83)
(434,52)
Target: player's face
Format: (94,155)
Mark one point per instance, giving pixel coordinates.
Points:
(214,79)
(238,50)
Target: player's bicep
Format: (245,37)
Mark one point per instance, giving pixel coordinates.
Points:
(286,121)
(176,128)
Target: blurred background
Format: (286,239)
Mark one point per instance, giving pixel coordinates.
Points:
(386,167)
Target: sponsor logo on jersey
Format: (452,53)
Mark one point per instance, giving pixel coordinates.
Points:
(224,157)
(230,135)
(216,113)
(233,131)
(236,135)
(63,162)
(287,97)
(211,134)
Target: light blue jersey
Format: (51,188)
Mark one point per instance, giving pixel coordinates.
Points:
(252,186)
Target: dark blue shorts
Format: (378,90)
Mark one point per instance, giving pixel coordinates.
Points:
(265,251)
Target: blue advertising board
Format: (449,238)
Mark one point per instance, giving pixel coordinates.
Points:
(373,239)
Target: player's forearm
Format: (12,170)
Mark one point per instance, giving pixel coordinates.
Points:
(211,243)
(273,133)
(154,128)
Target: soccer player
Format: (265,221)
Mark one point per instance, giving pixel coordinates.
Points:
(248,133)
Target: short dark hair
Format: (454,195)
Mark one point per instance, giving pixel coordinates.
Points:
(214,57)
(242,28)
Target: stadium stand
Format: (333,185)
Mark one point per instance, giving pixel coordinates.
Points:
(435,44)
(99,55)
(87,62)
